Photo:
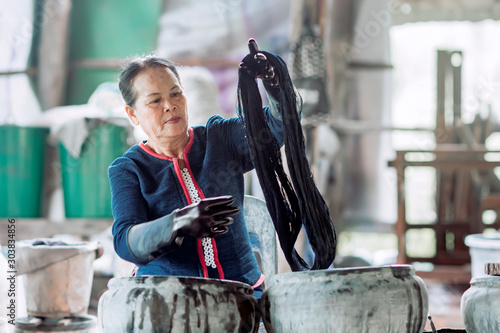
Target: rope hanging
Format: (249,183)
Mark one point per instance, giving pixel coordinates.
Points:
(291,202)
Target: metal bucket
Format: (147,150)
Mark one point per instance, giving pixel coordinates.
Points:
(177,304)
(84,324)
(58,276)
(390,299)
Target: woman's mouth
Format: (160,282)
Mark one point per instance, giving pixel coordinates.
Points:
(173,120)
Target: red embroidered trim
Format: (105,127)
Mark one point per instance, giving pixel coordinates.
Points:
(202,196)
(202,258)
(181,181)
(188,198)
(163,157)
(150,152)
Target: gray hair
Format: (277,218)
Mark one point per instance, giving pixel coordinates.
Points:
(133,68)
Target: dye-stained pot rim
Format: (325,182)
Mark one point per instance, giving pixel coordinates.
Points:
(490,281)
(158,279)
(401,270)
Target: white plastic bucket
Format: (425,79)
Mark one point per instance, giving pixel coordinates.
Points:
(482,250)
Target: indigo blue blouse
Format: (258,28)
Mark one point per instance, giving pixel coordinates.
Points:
(146,186)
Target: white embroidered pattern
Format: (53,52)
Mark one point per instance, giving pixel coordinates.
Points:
(208,251)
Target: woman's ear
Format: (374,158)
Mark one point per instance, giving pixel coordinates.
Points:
(131,114)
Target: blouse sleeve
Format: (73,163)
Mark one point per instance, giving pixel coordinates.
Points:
(127,204)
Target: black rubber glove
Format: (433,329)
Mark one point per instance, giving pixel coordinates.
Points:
(256,65)
(208,218)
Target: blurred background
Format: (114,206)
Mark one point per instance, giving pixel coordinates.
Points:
(401,116)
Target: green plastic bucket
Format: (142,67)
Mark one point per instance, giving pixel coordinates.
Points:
(102,34)
(85,179)
(22,155)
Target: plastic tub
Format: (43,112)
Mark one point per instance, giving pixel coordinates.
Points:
(482,250)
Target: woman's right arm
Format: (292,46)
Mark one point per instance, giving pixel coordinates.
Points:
(140,241)
(128,206)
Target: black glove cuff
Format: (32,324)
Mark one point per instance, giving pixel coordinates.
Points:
(149,240)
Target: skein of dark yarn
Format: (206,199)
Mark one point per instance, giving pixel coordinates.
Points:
(290,204)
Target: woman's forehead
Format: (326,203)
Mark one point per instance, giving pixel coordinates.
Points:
(154,78)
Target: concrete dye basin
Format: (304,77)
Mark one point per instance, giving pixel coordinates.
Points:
(177,304)
(389,299)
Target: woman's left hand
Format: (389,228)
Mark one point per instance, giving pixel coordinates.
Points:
(256,65)
(208,218)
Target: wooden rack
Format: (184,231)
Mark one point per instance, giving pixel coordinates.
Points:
(460,199)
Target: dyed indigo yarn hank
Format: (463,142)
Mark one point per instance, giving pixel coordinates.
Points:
(295,201)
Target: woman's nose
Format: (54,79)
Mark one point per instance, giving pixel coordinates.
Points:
(168,106)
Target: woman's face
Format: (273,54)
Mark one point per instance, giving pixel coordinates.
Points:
(160,108)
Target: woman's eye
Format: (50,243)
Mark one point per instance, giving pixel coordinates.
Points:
(156,100)
(176,94)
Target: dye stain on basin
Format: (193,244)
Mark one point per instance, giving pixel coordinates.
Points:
(177,304)
(153,304)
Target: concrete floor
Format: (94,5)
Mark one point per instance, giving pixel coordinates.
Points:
(444,303)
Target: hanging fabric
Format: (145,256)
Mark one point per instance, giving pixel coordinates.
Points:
(295,201)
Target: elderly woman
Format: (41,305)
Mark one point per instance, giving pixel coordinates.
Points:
(175,192)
